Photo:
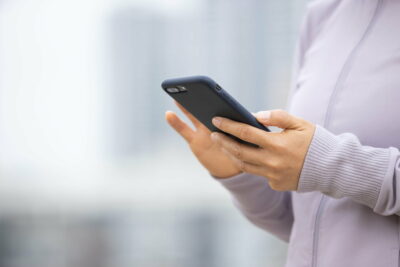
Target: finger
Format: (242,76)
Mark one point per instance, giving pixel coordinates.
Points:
(246,166)
(278,118)
(182,128)
(196,122)
(240,151)
(241,130)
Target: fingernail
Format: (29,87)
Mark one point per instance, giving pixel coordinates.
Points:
(216,121)
(263,115)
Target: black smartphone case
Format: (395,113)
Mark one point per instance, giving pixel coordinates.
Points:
(205,99)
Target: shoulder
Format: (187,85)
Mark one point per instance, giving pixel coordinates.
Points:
(318,13)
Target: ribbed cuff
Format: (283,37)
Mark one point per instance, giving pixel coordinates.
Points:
(340,166)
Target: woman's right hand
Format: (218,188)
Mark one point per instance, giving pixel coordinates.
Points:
(209,153)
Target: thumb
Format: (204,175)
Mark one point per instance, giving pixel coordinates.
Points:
(278,118)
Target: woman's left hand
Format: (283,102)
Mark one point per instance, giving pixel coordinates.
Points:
(280,155)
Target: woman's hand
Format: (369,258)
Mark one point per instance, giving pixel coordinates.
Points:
(209,153)
(280,155)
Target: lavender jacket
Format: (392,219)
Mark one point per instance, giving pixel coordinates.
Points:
(347,206)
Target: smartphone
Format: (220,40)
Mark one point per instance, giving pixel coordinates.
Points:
(205,99)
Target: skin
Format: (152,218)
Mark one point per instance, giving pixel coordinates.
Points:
(279,157)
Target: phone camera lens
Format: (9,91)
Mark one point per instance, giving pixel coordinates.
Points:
(172,90)
(181,88)
(218,88)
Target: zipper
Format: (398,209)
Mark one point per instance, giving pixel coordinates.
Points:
(316,230)
(338,85)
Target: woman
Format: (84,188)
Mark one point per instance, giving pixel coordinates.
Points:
(328,183)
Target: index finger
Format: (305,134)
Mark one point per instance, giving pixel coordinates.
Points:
(242,131)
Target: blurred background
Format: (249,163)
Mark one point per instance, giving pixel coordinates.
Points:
(90,173)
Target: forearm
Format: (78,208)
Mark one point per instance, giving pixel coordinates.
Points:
(264,207)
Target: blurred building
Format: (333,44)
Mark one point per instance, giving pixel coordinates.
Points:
(90,174)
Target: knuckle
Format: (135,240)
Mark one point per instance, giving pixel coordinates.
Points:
(280,144)
(244,132)
(285,119)
(281,115)
(274,165)
(237,151)
(242,166)
(265,161)
(275,113)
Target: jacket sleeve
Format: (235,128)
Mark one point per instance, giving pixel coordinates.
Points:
(264,207)
(339,166)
